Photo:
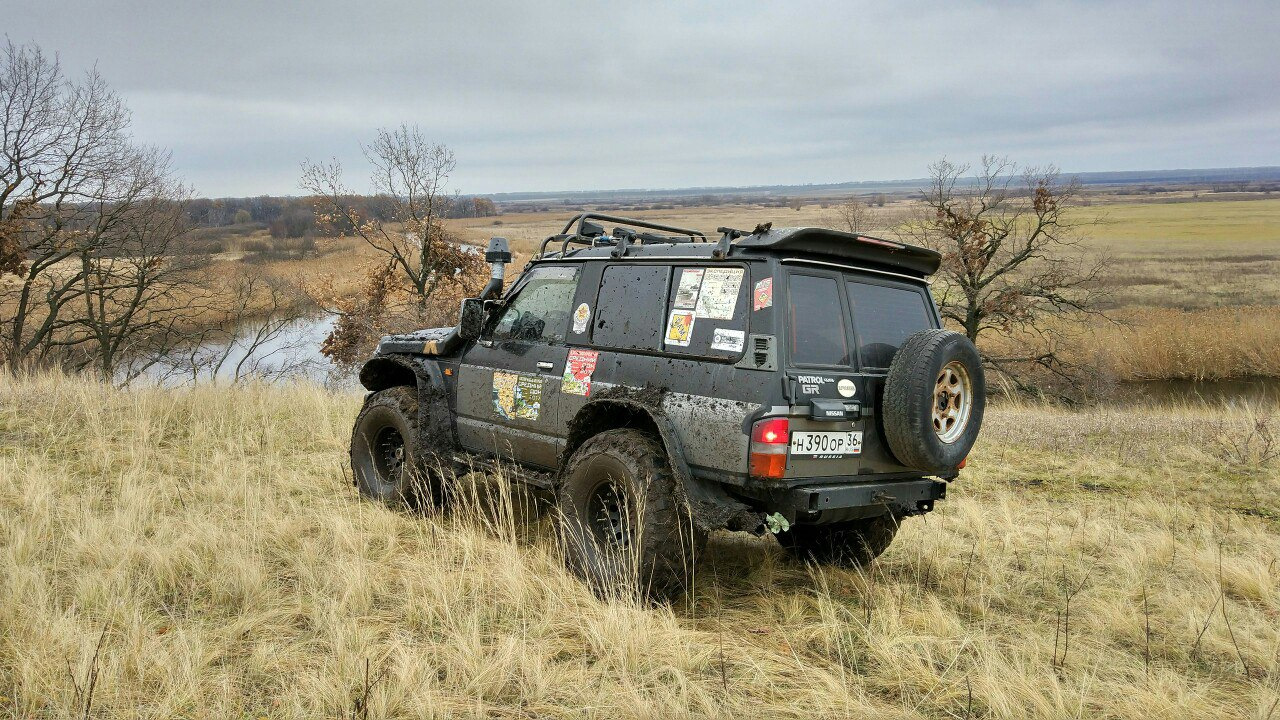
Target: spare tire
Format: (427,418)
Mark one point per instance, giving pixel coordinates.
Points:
(934,398)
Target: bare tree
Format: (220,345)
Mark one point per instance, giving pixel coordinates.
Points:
(87,222)
(410,176)
(1013,273)
(852,215)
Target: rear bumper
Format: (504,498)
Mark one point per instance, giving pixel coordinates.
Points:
(902,497)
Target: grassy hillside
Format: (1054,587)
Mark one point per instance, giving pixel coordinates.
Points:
(201,554)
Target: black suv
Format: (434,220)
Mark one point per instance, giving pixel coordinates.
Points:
(661,386)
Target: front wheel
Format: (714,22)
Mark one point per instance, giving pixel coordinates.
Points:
(848,544)
(623,528)
(384,450)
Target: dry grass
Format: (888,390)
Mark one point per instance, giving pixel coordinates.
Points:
(1215,344)
(200,554)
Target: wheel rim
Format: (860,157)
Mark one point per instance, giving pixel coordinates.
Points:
(388,453)
(606,514)
(952,402)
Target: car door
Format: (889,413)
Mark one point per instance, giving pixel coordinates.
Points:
(509,380)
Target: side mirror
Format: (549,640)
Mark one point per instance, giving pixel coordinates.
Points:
(472,318)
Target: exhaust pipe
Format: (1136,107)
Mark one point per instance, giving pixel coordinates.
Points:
(498,255)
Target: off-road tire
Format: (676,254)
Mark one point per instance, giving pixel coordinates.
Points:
(909,397)
(658,564)
(388,414)
(847,544)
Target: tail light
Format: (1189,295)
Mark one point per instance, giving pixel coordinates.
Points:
(769,440)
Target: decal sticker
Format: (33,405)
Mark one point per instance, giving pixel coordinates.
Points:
(581,317)
(687,291)
(763,296)
(812,384)
(577,372)
(846,387)
(516,395)
(719,295)
(680,327)
(728,340)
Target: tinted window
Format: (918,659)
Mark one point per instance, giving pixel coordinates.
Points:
(540,310)
(817,324)
(629,309)
(884,317)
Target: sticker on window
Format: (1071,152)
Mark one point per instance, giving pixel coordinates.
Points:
(680,327)
(719,295)
(728,340)
(581,317)
(577,372)
(516,395)
(687,291)
(763,296)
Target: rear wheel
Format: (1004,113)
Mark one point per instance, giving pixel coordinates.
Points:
(849,544)
(623,529)
(384,450)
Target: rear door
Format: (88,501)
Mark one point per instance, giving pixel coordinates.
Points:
(509,381)
(822,366)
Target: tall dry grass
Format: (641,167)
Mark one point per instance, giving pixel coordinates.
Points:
(200,553)
(1214,344)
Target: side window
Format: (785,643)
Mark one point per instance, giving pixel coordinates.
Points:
(706,314)
(629,309)
(817,327)
(884,317)
(540,310)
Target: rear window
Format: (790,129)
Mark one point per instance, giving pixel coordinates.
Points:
(884,316)
(817,335)
(629,309)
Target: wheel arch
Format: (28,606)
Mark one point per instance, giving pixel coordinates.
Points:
(434,415)
(711,507)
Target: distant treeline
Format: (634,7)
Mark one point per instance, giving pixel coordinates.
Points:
(295,217)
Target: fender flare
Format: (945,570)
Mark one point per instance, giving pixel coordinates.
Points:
(710,506)
(435,419)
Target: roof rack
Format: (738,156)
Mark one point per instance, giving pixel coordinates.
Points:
(593,235)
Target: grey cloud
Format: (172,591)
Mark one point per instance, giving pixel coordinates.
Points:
(605,94)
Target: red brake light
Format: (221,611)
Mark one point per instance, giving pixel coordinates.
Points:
(769,441)
(773,431)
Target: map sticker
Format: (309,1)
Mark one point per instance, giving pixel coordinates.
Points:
(516,395)
(728,340)
(763,296)
(581,317)
(687,291)
(680,327)
(577,372)
(719,294)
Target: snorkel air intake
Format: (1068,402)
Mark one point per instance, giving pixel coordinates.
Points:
(498,255)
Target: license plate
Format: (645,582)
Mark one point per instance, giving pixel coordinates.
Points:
(826,444)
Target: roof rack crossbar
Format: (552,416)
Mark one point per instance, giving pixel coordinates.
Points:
(582,217)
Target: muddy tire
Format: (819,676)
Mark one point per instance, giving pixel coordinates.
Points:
(934,399)
(623,530)
(847,544)
(384,450)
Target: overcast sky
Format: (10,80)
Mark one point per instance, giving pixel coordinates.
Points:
(595,95)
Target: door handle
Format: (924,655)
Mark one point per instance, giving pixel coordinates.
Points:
(544,365)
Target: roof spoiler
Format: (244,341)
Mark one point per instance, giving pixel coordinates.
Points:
(845,246)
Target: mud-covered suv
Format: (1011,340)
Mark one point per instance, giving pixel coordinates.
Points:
(661,386)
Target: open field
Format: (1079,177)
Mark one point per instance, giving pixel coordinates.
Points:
(201,554)
(1185,255)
